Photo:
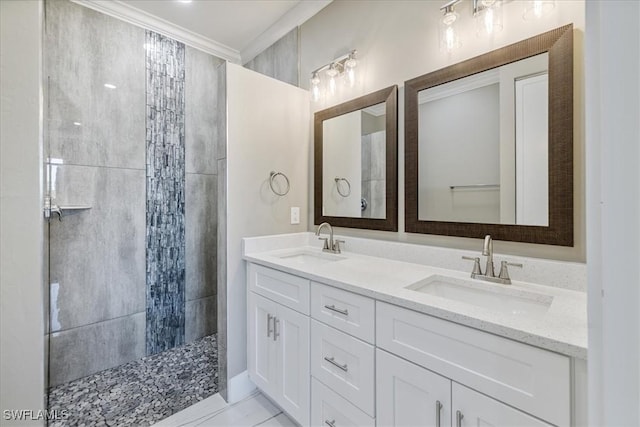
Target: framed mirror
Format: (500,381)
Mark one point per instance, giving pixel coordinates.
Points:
(355,162)
(489,144)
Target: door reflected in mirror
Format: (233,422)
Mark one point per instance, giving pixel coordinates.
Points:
(483,147)
(354,164)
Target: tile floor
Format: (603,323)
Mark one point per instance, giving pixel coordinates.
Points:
(141,392)
(254,410)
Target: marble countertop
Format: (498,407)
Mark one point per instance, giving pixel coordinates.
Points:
(562,328)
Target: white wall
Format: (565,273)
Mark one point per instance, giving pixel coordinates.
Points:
(267,130)
(21,224)
(342,158)
(613,208)
(398,40)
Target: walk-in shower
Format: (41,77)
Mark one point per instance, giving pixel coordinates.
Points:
(131,184)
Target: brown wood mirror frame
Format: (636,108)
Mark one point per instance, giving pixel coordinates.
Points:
(390,222)
(559,45)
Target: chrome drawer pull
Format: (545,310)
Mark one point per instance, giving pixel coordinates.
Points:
(332,360)
(331,423)
(276,334)
(269,330)
(438,410)
(332,307)
(459,418)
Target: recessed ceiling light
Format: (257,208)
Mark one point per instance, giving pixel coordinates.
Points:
(109,86)
(185,1)
(77,124)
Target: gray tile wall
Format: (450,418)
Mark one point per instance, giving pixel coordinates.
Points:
(280,60)
(201,133)
(95,138)
(373,174)
(98,276)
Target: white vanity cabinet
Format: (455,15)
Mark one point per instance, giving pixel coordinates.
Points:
(278,346)
(330,357)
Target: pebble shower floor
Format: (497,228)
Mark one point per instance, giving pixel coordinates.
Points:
(142,392)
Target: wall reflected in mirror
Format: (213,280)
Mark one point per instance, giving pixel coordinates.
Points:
(354,164)
(483,147)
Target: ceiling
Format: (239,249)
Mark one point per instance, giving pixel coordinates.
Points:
(236,30)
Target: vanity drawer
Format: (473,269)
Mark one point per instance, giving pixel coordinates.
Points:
(286,289)
(534,380)
(343,363)
(329,408)
(349,312)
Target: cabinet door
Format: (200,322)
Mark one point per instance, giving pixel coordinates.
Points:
(294,376)
(262,349)
(409,395)
(471,408)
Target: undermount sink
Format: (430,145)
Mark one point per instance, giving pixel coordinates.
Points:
(500,298)
(310,258)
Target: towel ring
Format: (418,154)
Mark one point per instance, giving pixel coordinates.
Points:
(272,177)
(348,192)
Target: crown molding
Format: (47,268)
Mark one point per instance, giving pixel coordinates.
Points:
(140,18)
(290,20)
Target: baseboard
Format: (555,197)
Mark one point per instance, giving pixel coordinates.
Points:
(239,387)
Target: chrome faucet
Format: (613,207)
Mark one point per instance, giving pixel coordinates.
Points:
(489,274)
(330,245)
(487,250)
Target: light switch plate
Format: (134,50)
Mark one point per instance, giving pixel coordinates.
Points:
(295,215)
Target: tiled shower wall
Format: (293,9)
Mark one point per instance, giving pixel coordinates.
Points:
(280,60)
(96,141)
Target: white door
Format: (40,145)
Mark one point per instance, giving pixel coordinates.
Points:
(409,395)
(471,408)
(292,335)
(532,150)
(262,347)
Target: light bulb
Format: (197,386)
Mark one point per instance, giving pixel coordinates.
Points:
(332,85)
(538,8)
(350,67)
(489,18)
(449,39)
(315,86)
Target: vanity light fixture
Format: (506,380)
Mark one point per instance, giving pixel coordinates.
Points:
(488,18)
(343,67)
(538,8)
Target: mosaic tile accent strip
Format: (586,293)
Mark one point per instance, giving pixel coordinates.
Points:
(142,392)
(165,165)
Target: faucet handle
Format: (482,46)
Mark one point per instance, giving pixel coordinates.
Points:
(504,270)
(336,245)
(326,242)
(477,271)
